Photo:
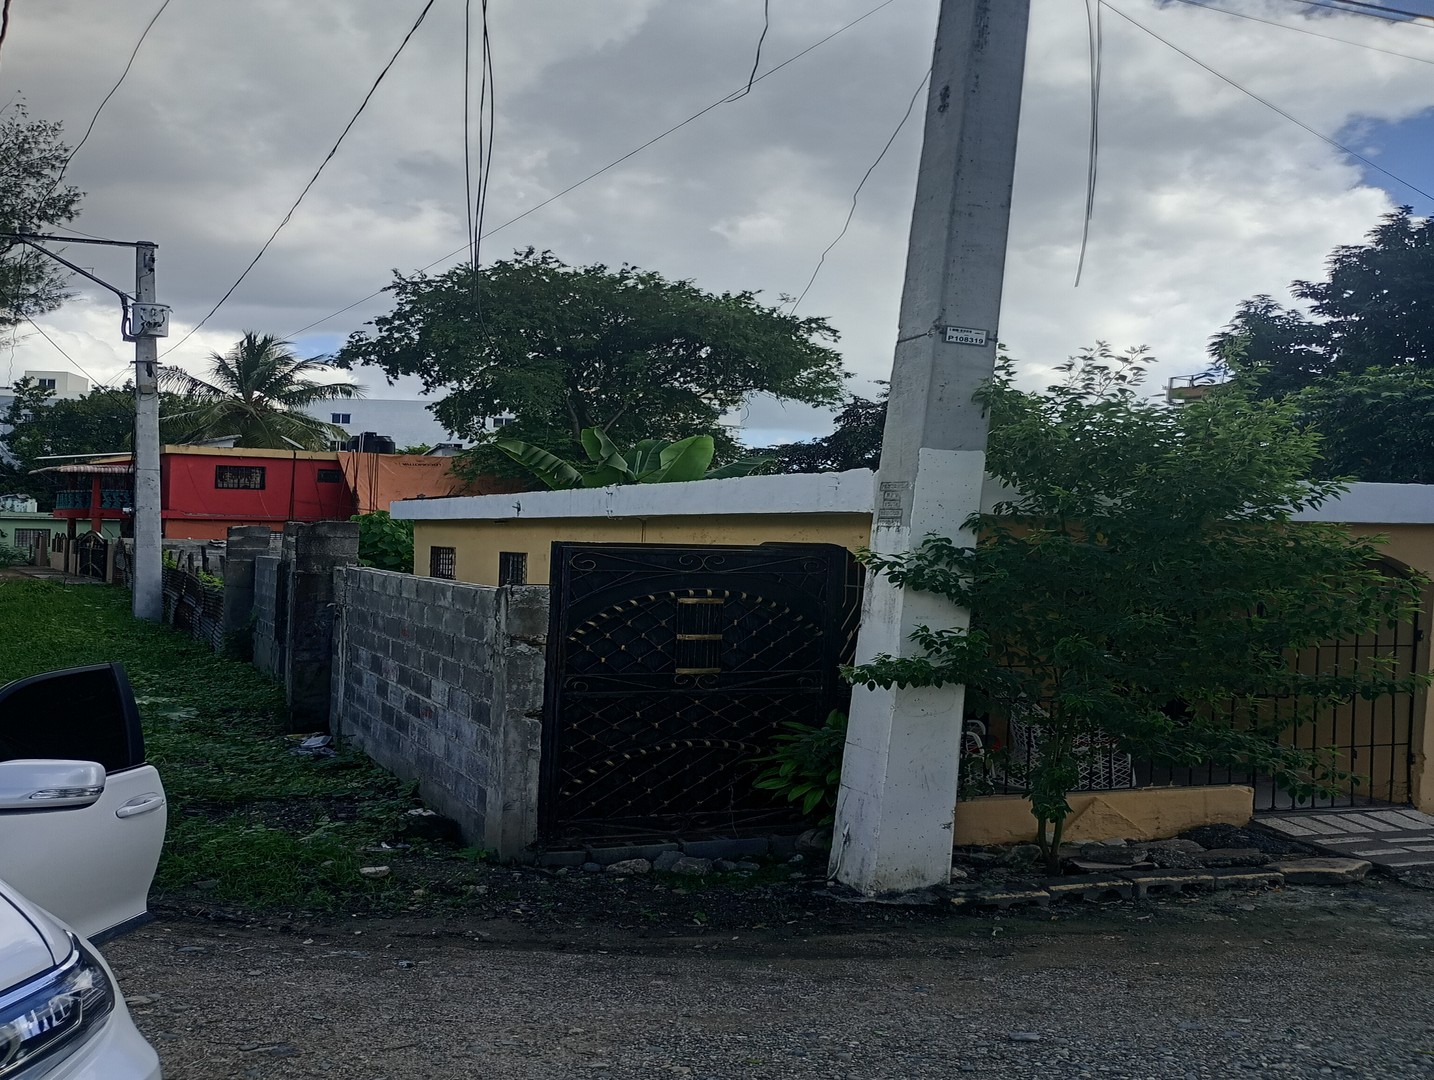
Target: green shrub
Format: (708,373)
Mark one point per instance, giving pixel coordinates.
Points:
(13,556)
(805,767)
(385,544)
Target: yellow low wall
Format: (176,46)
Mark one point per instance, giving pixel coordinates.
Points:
(1135,814)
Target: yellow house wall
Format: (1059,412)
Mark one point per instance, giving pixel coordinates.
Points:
(1135,814)
(476,544)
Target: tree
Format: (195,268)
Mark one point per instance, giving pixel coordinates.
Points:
(651,461)
(1366,341)
(1145,575)
(854,444)
(39,426)
(32,161)
(256,391)
(564,348)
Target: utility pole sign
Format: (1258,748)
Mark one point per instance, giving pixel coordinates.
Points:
(897,801)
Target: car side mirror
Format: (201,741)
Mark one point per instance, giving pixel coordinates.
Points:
(50,784)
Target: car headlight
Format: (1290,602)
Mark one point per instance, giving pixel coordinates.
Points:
(51,1014)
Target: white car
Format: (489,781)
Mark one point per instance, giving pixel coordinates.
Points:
(82,820)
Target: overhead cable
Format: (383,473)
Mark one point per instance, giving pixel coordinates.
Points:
(1372,11)
(1270,104)
(312,180)
(58,349)
(855,194)
(757,60)
(1303,30)
(1097,51)
(60,176)
(606,168)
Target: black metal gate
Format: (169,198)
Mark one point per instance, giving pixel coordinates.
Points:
(670,669)
(1374,737)
(90,550)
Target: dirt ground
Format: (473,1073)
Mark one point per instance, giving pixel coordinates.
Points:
(1305,982)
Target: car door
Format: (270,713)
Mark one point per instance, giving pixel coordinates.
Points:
(90,859)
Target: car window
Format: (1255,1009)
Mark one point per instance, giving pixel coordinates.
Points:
(80,714)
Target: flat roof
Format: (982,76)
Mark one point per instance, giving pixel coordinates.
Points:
(791,493)
(822,493)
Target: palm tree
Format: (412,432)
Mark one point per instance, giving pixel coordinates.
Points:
(256,392)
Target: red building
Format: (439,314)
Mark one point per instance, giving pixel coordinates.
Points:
(205,490)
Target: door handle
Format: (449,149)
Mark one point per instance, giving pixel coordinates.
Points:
(141,804)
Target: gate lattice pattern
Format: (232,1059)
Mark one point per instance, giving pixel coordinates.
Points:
(670,669)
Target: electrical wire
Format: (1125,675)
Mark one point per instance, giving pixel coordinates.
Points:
(855,194)
(58,349)
(1372,11)
(757,61)
(1269,104)
(1097,51)
(4,22)
(1304,30)
(467,131)
(427,7)
(487,121)
(598,172)
(60,176)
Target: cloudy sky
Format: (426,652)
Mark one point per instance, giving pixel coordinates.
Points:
(1205,195)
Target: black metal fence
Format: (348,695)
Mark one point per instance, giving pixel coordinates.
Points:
(671,670)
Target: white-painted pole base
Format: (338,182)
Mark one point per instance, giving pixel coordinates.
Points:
(896,806)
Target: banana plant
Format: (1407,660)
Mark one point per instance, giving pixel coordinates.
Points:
(651,461)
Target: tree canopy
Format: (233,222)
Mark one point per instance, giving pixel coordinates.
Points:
(1358,358)
(32,199)
(855,442)
(1146,578)
(257,391)
(563,348)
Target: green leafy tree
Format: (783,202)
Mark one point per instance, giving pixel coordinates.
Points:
(651,461)
(257,391)
(566,348)
(854,444)
(32,199)
(41,426)
(385,543)
(1145,575)
(1363,339)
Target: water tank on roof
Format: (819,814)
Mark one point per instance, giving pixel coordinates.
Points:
(371,443)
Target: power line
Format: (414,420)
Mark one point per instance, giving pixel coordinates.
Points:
(312,180)
(1269,104)
(1304,30)
(487,122)
(67,356)
(59,178)
(4,22)
(598,172)
(1097,49)
(1372,11)
(757,60)
(854,195)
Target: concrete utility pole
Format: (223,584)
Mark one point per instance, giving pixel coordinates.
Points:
(148,321)
(901,765)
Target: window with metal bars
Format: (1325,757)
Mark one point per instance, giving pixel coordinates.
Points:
(239,477)
(512,568)
(443,562)
(330,476)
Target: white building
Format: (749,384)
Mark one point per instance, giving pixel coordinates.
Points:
(65,385)
(407,422)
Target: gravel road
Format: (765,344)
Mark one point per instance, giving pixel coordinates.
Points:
(1294,983)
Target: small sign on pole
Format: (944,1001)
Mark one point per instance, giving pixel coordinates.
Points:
(965,335)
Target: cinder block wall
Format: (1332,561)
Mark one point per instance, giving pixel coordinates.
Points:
(442,682)
(268,649)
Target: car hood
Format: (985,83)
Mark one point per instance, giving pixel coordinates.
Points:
(31,941)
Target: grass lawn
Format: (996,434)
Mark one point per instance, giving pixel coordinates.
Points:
(251,824)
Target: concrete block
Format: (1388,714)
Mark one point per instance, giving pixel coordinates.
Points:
(1090,887)
(1321,871)
(727,849)
(606,856)
(1167,882)
(525,612)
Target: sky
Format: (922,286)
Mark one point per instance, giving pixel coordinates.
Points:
(1204,197)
